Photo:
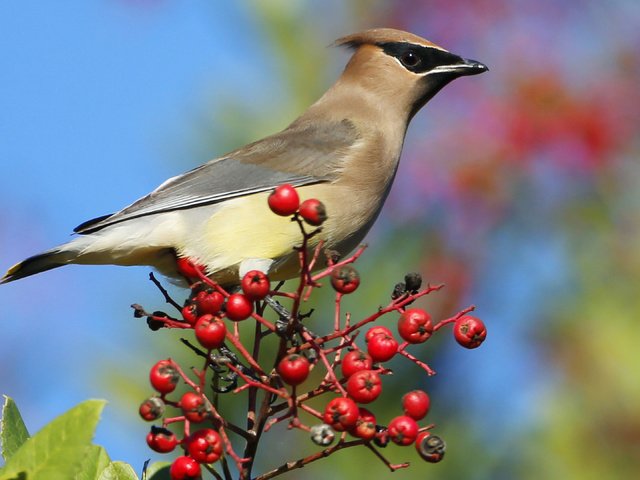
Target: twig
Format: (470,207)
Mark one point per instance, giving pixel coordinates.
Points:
(167,297)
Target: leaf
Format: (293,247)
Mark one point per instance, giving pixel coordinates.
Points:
(14,433)
(94,461)
(158,471)
(118,471)
(56,452)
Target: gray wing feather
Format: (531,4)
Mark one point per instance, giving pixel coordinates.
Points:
(287,157)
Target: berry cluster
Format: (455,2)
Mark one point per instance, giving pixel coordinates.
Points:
(281,387)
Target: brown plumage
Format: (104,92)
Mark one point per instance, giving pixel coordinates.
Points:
(344,150)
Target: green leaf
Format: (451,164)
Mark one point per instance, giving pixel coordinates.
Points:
(14,433)
(56,452)
(158,471)
(94,462)
(118,471)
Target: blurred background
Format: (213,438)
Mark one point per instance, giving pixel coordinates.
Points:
(518,189)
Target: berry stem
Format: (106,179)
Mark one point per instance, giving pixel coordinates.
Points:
(446,321)
(392,467)
(419,363)
(326,272)
(243,351)
(289,466)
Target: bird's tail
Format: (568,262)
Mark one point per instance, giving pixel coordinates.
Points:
(39,263)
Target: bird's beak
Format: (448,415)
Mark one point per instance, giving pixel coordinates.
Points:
(462,67)
(473,67)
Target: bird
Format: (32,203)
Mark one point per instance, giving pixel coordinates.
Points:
(343,150)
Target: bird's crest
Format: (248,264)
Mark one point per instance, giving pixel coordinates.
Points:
(378,36)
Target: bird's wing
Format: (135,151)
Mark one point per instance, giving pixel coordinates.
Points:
(300,155)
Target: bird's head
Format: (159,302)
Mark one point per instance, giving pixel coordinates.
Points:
(401,68)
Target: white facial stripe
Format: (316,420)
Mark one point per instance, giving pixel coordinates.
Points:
(445,69)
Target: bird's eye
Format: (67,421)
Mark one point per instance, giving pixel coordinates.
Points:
(409,59)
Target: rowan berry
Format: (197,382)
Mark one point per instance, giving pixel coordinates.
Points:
(415,404)
(403,430)
(210,331)
(190,313)
(284,200)
(164,377)
(345,279)
(415,325)
(373,331)
(161,440)
(354,361)
(382,347)
(364,386)
(193,407)
(151,409)
(313,212)
(430,447)
(205,446)
(188,267)
(341,414)
(293,369)
(365,427)
(185,468)
(209,302)
(469,331)
(239,307)
(255,285)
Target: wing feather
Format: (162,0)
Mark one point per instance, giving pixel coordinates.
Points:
(287,157)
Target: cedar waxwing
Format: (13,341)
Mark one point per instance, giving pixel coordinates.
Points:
(343,150)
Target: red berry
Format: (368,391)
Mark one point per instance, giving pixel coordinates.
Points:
(415,325)
(151,409)
(185,468)
(416,404)
(345,279)
(313,212)
(469,331)
(430,447)
(382,347)
(187,267)
(365,425)
(161,440)
(284,200)
(205,446)
(210,331)
(193,407)
(355,361)
(293,369)
(341,414)
(209,301)
(373,331)
(364,386)
(255,285)
(190,313)
(164,377)
(403,430)
(239,307)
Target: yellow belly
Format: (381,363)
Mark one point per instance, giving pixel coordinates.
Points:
(245,228)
